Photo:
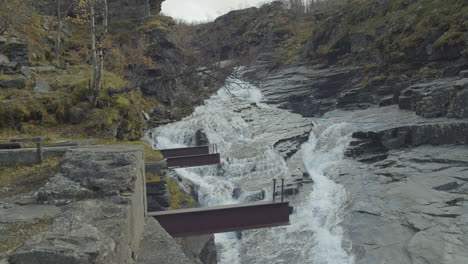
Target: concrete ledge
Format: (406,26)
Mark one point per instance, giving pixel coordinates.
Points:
(28,156)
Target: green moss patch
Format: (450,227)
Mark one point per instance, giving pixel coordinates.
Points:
(449,39)
(152,177)
(156,22)
(178,198)
(150,153)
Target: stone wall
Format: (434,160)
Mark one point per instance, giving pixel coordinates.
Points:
(100,194)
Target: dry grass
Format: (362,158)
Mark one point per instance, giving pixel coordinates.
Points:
(14,234)
(150,153)
(22,179)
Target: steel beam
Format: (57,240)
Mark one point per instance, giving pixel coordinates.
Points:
(180,152)
(193,161)
(199,221)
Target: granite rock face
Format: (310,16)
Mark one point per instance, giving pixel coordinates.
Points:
(304,90)
(159,247)
(438,98)
(200,249)
(131,9)
(15,49)
(410,207)
(113,172)
(406,187)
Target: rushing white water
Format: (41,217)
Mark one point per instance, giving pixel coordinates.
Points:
(250,162)
(327,199)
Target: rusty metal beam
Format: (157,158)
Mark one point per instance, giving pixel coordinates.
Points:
(181,152)
(199,221)
(193,161)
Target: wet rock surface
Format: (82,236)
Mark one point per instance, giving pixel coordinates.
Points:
(304,90)
(159,247)
(409,207)
(438,98)
(406,187)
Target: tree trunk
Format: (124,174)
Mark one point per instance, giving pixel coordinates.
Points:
(97,49)
(148,7)
(92,21)
(59,29)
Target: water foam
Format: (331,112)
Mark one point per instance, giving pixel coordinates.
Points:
(314,235)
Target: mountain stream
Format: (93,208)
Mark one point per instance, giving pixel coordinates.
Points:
(258,143)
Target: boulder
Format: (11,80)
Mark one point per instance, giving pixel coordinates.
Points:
(459,106)
(255,197)
(111,172)
(42,86)
(15,49)
(26,71)
(13,83)
(61,190)
(201,139)
(44,69)
(9,68)
(4,59)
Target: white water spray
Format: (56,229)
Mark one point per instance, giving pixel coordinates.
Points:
(250,162)
(327,199)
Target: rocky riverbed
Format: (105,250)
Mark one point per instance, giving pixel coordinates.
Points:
(406,192)
(407,166)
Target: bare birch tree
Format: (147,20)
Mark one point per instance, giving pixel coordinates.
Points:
(97,12)
(62,8)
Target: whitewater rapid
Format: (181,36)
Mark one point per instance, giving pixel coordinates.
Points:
(245,131)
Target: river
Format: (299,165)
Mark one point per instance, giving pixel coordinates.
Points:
(247,133)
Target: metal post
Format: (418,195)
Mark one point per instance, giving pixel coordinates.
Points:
(282,190)
(40,156)
(274,189)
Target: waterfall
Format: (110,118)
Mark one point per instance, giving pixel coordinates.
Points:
(235,120)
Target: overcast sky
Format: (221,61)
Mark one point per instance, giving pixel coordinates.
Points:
(202,10)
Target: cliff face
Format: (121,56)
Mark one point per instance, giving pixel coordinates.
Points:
(353,55)
(118,9)
(413,32)
(132,9)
